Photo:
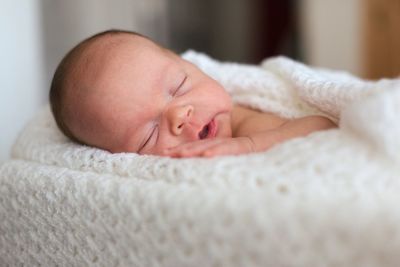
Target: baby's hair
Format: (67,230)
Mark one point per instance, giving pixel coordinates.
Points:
(63,73)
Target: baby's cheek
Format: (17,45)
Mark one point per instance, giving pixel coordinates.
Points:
(163,143)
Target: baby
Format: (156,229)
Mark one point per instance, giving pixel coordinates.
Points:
(121,92)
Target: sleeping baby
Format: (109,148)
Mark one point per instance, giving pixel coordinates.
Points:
(122,92)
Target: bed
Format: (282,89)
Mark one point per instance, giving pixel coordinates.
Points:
(328,199)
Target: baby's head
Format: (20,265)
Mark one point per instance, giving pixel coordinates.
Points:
(122,92)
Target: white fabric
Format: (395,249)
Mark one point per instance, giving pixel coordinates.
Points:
(329,199)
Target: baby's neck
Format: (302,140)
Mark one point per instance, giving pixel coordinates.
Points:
(238,115)
(246,120)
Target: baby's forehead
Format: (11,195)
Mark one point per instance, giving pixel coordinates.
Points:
(102,53)
(107,61)
(118,42)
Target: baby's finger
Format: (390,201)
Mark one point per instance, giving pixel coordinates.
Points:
(187,152)
(223,149)
(192,149)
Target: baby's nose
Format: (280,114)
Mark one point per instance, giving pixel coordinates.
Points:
(178,117)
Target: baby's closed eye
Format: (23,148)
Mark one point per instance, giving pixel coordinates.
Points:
(181,89)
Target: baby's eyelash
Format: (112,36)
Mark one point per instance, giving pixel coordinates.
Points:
(180,86)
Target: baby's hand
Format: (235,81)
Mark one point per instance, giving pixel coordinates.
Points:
(212,147)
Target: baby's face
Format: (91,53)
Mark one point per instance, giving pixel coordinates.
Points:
(142,98)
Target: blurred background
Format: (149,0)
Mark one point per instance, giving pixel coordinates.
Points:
(358,36)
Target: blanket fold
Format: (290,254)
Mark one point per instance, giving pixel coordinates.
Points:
(292,89)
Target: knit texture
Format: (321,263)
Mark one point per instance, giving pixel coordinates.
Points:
(328,199)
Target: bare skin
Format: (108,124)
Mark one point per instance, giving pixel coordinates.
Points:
(253,131)
(131,95)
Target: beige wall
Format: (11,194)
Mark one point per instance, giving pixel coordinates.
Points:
(67,22)
(332,33)
(21,69)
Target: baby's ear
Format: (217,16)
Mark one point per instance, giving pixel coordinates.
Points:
(374,120)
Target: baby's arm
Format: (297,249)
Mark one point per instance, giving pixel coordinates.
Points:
(251,138)
(292,128)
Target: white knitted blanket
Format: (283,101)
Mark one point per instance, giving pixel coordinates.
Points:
(329,199)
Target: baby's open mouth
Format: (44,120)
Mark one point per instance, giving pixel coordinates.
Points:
(204,132)
(208,130)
